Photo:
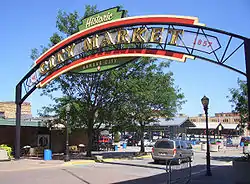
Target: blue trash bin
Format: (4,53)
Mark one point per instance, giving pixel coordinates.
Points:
(116,148)
(124,146)
(47,154)
(241,144)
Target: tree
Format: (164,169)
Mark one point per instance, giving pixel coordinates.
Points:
(239,99)
(151,94)
(133,93)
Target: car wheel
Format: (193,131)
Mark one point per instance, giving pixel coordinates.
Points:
(156,161)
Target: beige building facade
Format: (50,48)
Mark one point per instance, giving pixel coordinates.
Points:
(228,118)
(8,109)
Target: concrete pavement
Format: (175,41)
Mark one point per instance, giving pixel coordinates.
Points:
(28,164)
(124,171)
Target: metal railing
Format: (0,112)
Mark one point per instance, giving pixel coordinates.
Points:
(179,174)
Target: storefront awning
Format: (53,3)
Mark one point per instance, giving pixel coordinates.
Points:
(202,125)
(229,126)
(212,125)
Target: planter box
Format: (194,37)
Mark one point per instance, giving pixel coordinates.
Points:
(203,147)
(4,155)
(214,148)
(241,172)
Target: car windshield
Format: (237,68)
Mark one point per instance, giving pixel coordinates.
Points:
(165,144)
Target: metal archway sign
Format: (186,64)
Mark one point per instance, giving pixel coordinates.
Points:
(108,40)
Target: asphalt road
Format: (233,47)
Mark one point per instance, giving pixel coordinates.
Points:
(122,171)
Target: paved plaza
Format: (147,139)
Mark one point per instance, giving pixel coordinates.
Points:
(124,171)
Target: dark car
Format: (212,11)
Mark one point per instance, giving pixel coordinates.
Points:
(132,142)
(229,142)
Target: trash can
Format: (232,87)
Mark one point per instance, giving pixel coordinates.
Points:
(47,154)
(115,147)
(124,145)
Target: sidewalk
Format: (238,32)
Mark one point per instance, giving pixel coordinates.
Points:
(28,164)
(39,163)
(220,175)
(197,148)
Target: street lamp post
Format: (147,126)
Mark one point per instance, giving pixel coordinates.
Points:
(67,158)
(205,102)
(220,129)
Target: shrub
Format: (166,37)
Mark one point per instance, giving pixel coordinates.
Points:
(116,137)
(7,148)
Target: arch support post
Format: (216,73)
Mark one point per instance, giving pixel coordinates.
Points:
(247,58)
(18,120)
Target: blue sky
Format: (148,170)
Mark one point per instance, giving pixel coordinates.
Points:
(28,24)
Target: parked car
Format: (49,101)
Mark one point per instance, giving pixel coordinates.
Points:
(189,144)
(166,149)
(104,139)
(152,143)
(132,142)
(146,143)
(229,142)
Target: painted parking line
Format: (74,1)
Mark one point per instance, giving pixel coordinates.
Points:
(79,162)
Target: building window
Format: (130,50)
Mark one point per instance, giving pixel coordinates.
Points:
(225,120)
(2,115)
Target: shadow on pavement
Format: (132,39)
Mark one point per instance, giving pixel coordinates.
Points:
(79,178)
(133,165)
(223,159)
(221,175)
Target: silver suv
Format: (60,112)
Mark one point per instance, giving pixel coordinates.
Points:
(166,149)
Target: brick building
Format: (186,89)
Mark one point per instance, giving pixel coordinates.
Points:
(228,118)
(219,124)
(8,110)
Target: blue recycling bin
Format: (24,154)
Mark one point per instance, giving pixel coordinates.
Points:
(241,144)
(47,154)
(116,148)
(124,145)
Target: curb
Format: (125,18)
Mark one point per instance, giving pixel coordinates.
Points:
(99,160)
(144,156)
(79,162)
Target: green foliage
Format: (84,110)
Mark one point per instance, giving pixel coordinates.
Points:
(239,99)
(7,148)
(90,10)
(124,97)
(54,39)
(116,137)
(67,22)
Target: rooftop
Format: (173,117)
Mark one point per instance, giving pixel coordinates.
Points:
(25,122)
(176,121)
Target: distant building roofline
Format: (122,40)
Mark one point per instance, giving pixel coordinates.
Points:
(10,102)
